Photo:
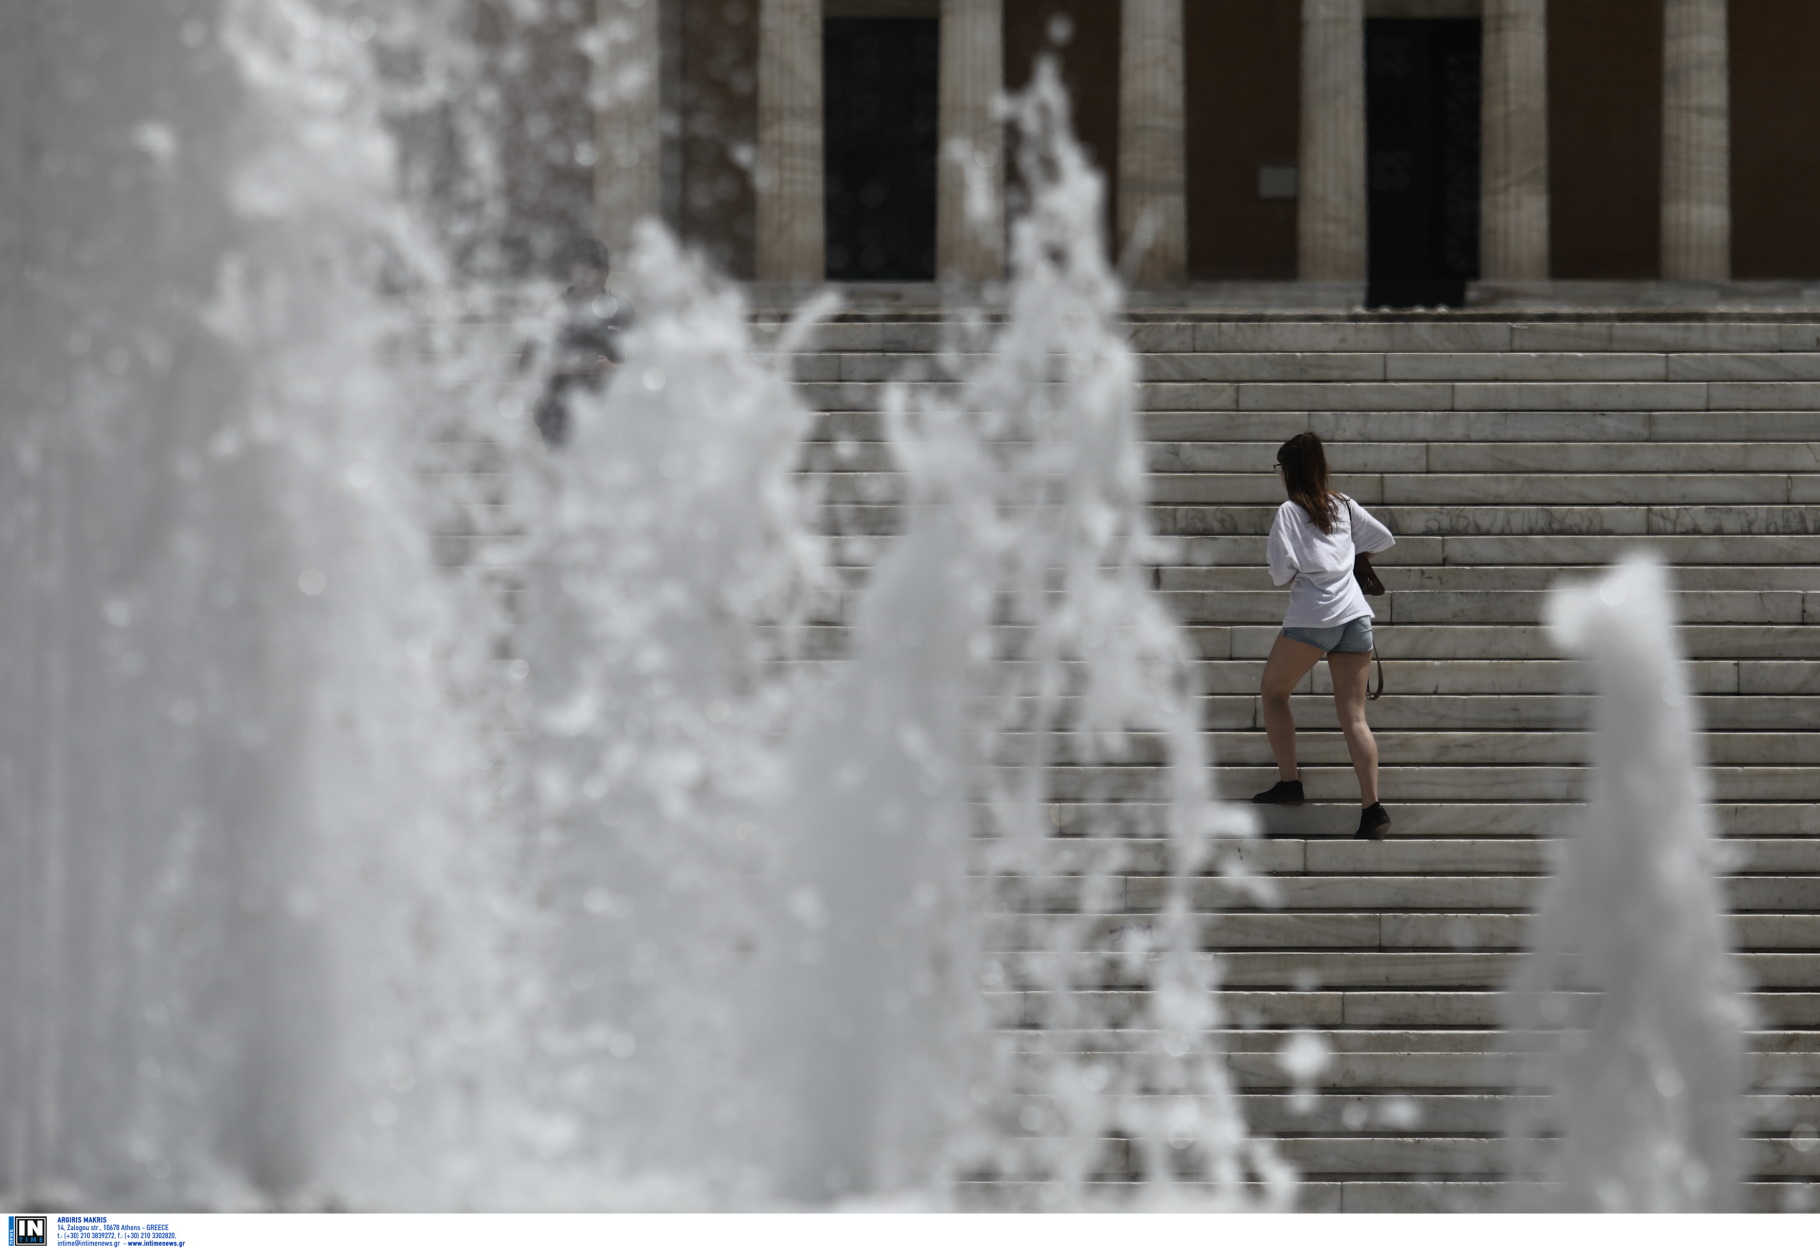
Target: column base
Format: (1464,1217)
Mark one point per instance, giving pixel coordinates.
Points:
(1263,296)
(1642,294)
(1649,298)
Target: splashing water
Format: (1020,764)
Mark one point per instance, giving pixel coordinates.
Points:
(1029,473)
(675,564)
(334,878)
(1628,1005)
(254,914)
(657,918)
(809,1000)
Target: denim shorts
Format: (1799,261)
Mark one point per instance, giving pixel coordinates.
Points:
(1354,635)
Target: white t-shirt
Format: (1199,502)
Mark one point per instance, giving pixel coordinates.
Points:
(1324,593)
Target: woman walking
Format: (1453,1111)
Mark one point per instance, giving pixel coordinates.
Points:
(1316,534)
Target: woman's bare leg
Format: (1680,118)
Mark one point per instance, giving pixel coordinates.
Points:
(1351,679)
(1289,662)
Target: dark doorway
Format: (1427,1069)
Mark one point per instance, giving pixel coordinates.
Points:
(880,84)
(1422,143)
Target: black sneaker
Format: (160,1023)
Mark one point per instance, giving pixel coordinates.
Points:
(1373,821)
(1281,792)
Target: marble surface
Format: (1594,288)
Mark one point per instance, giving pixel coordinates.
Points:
(1152,172)
(628,131)
(1330,224)
(1514,207)
(970,178)
(791,228)
(1696,142)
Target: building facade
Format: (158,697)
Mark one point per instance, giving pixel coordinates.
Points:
(1426,147)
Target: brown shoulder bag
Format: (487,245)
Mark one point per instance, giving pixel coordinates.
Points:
(1369,582)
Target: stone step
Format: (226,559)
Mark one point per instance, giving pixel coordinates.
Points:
(1296,863)
(1326,822)
(1457,607)
(1473,520)
(1462,678)
(1420,1197)
(1409,641)
(1482,607)
(1402,784)
(1482,1007)
(1506,577)
(1553,550)
(1418,783)
(1636,522)
(1419,1112)
(1435,1156)
(1445,1070)
(1401,397)
(1489,1042)
(1353,932)
(1490,333)
(1368,1197)
(1447,746)
(1557,367)
(1463,1156)
(1380,490)
(1428,892)
(1358,366)
(1372,457)
(1470,783)
(863,424)
(1450,748)
(1534,677)
(1606,458)
(1360,458)
(1354,970)
(1332,814)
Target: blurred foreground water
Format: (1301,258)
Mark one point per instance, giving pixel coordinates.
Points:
(331,878)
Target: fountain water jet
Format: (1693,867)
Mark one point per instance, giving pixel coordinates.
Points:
(316,958)
(238,823)
(1628,1006)
(673,564)
(1034,461)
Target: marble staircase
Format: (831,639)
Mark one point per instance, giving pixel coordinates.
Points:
(1505,456)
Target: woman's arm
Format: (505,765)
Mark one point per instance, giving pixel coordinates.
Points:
(1372,535)
(1282,562)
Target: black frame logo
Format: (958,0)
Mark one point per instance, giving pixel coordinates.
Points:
(28,1230)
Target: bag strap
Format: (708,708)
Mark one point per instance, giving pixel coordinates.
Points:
(1371,695)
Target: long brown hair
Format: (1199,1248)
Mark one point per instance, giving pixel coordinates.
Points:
(1304,463)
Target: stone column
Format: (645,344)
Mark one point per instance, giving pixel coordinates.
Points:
(1152,173)
(1513,228)
(792,233)
(1330,219)
(971,171)
(628,165)
(1696,143)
